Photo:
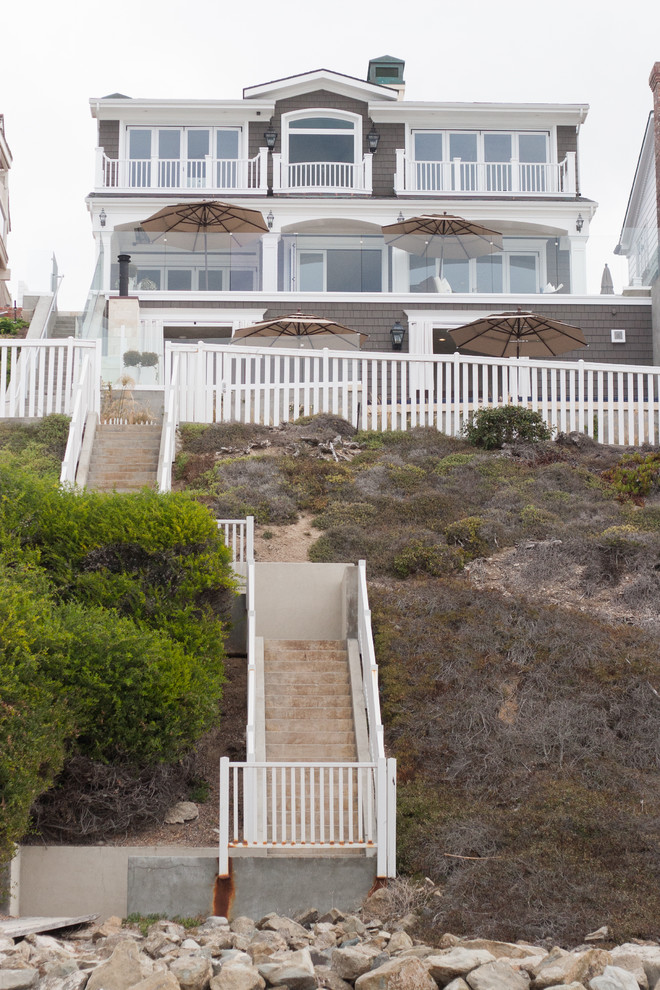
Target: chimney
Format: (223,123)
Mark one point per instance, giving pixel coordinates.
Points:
(654,83)
(124,260)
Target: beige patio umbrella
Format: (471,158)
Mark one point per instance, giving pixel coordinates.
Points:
(300,329)
(201,219)
(440,235)
(518,334)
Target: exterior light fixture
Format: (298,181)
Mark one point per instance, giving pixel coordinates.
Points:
(270,219)
(397,333)
(270,136)
(373,137)
(400,217)
(103,216)
(579,223)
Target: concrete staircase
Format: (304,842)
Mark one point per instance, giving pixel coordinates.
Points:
(124,458)
(65,326)
(308,703)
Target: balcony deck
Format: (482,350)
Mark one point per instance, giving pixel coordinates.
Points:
(463,178)
(209,175)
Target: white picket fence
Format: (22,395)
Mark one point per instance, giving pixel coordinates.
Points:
(615,404)
(40,377)
(349,806)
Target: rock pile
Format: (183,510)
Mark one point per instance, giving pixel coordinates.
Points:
(335,951)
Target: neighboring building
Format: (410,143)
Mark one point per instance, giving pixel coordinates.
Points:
(639,234)
(329,159)
(5,224)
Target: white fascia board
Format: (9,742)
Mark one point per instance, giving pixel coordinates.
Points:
(556,216)
(438,304)
(480,115)
(179,112)
(308,82)
(644,173)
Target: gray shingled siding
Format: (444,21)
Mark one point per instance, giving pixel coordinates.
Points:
(392,136)
(376,319)
(109,137)
(566,141)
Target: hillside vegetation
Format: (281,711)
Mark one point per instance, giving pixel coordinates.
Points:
(515,598)
(111,642)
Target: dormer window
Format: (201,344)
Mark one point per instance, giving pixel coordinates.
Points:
(322,139)
(321,149)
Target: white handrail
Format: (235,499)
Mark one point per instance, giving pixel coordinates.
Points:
(250,602)
(239,538)
(86,400)
(167,450)
(369,667)
(52,305)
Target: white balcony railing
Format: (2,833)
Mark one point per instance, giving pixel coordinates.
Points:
(490,178)
(211,174)
(322,177)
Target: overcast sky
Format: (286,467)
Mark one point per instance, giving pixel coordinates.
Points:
(56,56)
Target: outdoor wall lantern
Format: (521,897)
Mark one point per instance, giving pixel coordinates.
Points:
(103,216)
(373,137)
(270,219)
(397,333)
(400,217)
(270,136)
(579,223)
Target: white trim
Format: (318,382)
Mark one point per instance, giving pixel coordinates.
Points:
(497,300)
(477,115)
(308,82)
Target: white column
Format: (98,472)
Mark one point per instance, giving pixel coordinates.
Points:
(400,271)
(269,243)
(578,257)
(106,240)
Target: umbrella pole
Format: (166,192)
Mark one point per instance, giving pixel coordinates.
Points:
(206,263)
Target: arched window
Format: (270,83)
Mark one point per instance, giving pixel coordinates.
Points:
(322,138)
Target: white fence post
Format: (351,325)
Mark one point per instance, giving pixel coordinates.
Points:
(381,818)
(391,818)
(223,836)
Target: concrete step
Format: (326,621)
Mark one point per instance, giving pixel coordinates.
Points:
(312,702)
(304,676)
(308,662)
(314,753)
(320,737)
(329,721)
(279,645)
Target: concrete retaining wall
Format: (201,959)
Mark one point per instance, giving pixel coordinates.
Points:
(305,601)
(288,885)
(75,880)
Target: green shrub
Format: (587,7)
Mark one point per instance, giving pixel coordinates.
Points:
(467,534)
(136,695)
(635,476)
(33,717)
(419,557)
(492,428)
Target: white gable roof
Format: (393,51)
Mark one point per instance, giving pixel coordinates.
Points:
(307,82)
